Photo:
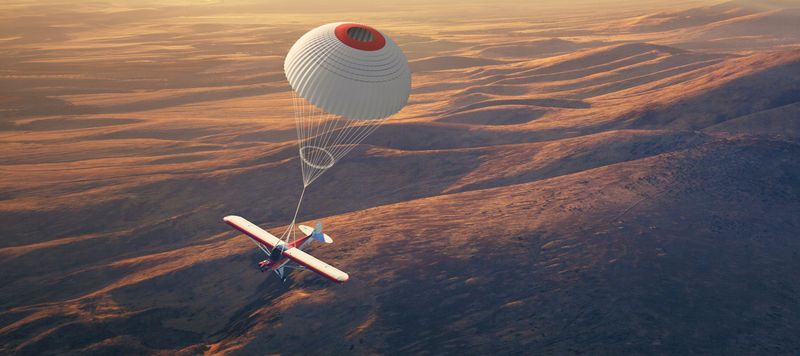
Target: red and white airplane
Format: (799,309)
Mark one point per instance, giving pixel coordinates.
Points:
(280,253)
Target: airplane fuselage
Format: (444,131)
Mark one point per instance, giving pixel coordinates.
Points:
(276,258)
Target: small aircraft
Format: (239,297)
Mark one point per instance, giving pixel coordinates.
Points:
(280,253)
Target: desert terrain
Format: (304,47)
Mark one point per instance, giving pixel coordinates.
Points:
(589,177)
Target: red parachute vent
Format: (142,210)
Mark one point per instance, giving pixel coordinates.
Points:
(360,36)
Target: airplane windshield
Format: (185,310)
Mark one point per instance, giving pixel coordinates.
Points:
(276,253)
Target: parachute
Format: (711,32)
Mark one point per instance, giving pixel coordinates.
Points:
(347,79)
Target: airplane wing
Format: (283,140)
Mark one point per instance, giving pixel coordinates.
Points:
(252,231)
(316,265)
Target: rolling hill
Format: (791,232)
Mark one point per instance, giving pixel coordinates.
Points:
(561,182)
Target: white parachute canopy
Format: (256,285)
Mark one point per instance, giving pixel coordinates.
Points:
(347,79)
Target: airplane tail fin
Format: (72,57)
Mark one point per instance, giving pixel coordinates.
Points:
(315,233)
(319,236)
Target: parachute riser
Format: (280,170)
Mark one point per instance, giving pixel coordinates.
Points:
(289,234)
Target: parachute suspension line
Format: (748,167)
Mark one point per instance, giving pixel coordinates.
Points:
(289,235)
(322,125)
(300,127)
(353,136)
(299,201)
(324,138)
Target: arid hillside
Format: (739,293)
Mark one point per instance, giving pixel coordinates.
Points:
(586,178)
